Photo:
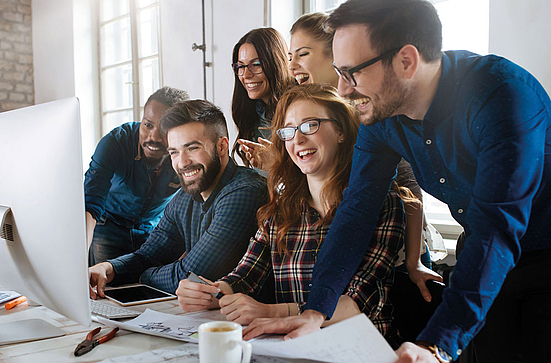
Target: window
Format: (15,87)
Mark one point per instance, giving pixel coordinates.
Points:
(129,59)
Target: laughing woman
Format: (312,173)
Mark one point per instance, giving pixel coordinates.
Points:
(314,131)
(261,76)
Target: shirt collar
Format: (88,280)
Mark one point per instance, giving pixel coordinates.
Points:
(439,108)
(225,178)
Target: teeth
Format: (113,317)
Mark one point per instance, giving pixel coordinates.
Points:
(191,173)
(306,152)
(153,148)
(359,101)
(302,78)
(253,85)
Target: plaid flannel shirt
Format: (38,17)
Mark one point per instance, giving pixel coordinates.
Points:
(213,234)
(370,284)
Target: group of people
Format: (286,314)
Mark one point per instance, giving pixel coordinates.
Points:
(336,134)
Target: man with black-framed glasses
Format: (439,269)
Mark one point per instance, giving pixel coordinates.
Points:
(477,132)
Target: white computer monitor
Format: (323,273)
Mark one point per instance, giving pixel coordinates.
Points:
(43,250)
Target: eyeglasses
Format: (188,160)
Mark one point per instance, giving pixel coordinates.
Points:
(308,127)
(348,74)
(254,67)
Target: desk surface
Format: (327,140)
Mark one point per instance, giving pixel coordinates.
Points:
(61,349)
(125,343)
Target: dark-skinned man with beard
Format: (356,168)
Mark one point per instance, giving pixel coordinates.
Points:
(130,181)
(206,227)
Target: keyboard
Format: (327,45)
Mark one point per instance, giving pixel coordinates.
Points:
(110,311)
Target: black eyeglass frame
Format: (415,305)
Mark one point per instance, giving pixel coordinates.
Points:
(236,67)
(348,74)
(295,128)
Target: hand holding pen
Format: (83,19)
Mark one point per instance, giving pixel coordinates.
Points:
(195,293)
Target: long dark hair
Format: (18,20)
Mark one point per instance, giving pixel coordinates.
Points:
(287,185)
(272,54)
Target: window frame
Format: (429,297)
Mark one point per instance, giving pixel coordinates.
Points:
(134,62)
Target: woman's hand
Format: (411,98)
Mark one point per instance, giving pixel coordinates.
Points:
(420,274)
(243,309)
(257,153)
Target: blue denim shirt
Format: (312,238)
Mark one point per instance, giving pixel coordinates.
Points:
(213,234)
(119,184)
(484,148)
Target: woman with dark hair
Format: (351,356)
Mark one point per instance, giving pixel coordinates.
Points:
(313,135)
(261,76)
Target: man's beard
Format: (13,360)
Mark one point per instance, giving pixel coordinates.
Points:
(391,98)
(154,162)
(195,187)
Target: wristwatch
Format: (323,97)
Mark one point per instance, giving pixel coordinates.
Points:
(440,354)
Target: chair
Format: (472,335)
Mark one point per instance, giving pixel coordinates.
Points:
(411,311)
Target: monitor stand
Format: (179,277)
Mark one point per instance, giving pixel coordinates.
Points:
(27,330)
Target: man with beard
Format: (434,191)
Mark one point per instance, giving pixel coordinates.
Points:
(129,182)
(206,227)
(477,132)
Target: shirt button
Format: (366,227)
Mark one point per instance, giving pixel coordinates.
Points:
(459,351)
(460,211)
(428,142)
(309,285)
(442,180)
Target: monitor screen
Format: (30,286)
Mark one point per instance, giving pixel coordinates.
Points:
(43,250)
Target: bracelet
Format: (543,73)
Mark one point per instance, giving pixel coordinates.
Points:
(288,310)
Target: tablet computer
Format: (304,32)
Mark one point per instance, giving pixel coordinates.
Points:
(136,294)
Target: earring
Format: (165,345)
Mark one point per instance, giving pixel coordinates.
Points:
(342,139)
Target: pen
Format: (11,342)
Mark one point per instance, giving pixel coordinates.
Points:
(194,278)
(11,304)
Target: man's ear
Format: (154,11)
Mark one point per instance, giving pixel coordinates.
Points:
(223,145)
(407,61)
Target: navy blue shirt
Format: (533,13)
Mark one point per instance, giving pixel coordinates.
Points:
(484,148)
(213,234)
(119,184)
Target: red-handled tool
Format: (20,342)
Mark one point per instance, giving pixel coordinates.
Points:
(88,344)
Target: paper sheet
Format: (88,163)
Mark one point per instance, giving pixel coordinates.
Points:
(178,327)
(352,340)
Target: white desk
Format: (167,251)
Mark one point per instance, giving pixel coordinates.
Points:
(61,349)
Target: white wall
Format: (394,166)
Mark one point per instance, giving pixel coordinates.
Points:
(519,30)
(53,52)
(65,60)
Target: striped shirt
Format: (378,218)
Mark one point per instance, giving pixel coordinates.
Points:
(370,284)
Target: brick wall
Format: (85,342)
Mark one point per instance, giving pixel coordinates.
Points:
(16,55)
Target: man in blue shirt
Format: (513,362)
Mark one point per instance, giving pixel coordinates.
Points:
(477,132)
(206,227)
(129,182)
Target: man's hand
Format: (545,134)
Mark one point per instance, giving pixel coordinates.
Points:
(412,353)
(294,326)
(243,309)
(256,152)
(100,275)
(420,274)
(193,296)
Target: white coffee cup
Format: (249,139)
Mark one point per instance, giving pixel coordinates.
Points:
(222,342)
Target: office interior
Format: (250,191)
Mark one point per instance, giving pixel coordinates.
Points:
(63,45)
